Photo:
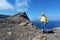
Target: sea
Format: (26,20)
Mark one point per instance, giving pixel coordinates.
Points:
(50,25)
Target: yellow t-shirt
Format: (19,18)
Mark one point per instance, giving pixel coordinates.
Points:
(43,19)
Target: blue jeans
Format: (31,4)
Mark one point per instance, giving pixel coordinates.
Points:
(44,26)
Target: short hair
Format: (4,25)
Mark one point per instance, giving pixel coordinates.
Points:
(43,14)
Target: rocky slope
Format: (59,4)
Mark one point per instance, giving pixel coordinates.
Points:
(2,17)
(17,27)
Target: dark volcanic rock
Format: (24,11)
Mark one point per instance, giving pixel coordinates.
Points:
(17,27)
(22,14)
(3,16)
(20,17)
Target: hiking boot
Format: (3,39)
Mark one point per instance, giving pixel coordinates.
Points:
(44,32)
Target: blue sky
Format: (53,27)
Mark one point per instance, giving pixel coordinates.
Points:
(33,8)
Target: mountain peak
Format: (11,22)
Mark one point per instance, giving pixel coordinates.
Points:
(22,14)
(19,17)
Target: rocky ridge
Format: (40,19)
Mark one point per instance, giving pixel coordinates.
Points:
(17,27)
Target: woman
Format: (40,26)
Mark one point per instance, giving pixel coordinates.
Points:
(44,21)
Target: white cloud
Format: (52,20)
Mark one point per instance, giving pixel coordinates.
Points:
(5,5)
(22,5)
